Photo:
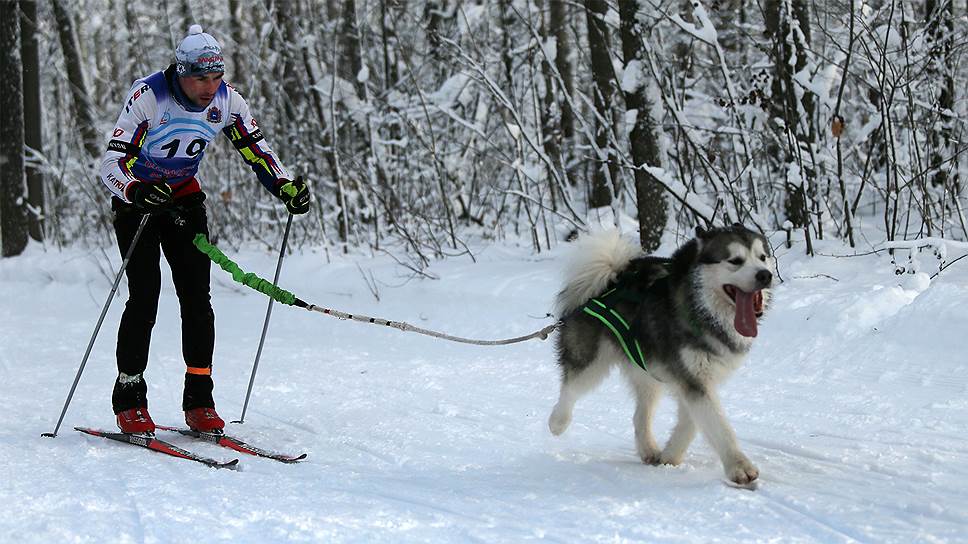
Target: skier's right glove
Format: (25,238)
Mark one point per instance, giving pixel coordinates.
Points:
(148,196)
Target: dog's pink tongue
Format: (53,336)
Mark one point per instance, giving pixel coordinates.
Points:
(745,319)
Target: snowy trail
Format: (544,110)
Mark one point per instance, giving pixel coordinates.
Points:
(853,406)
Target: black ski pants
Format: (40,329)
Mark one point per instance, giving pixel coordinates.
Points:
(172,235)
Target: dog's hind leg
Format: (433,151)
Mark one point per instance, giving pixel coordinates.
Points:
(680,439)
(575,382)
(647,393)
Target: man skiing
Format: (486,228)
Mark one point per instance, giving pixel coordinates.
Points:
(166,122)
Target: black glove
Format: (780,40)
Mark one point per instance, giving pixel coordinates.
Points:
(295,194)
(149,197)
(189,214)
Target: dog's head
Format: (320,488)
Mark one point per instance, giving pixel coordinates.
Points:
(736,267)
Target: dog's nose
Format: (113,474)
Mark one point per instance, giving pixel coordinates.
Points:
(763,278)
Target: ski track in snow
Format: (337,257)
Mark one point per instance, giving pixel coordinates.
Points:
(853,405)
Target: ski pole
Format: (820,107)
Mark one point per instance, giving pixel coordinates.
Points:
(265,326)
(97,328)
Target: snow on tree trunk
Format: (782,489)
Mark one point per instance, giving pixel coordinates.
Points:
(644,138)
(33,114)
(788,23)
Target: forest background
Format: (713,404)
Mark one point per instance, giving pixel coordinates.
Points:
(493,131)
(423,125)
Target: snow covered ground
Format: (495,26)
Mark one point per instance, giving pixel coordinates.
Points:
(853,405)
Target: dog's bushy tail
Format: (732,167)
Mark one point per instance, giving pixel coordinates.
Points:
(596,260)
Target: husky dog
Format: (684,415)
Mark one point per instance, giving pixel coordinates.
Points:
(694,316)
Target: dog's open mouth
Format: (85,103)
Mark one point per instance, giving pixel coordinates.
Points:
(749,306)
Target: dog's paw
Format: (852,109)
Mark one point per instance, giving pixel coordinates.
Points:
(649,453)
(742,472)
(669,459)
(559,420)
(653,458)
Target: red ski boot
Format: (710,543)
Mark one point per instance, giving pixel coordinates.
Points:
(204,420)
(136,421)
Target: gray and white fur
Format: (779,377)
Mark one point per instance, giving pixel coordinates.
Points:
(695,315)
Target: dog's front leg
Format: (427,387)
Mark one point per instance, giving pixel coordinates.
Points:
(707,413)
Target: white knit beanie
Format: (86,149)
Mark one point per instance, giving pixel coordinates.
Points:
(199,53)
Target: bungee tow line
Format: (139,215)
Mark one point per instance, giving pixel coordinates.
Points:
(251,280)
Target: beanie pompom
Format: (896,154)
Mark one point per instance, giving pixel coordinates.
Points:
(194,29)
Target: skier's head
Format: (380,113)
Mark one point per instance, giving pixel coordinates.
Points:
(199,53)
(199,65)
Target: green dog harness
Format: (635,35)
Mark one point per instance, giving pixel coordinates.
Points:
(602,308)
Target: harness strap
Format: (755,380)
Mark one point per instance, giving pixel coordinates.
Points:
(614,322)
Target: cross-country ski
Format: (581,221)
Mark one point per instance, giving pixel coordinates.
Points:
(236,444)
(160,446)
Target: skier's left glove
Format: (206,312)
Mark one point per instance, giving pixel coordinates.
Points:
(295,194)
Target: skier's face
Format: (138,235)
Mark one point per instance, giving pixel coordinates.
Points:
(201,89)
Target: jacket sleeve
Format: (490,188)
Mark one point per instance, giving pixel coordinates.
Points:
(244,133)
(127,138)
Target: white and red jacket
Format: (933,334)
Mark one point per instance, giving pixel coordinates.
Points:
(161,136)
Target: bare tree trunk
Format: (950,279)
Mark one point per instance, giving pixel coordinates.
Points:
(389,42)
(388,33)
(138,61)
(286,14)
(644,138)
(604,76)
(240,46)
(777,19)
(352,60)
(788,23)
(432,13)
(941,27)
(837,127)
(33,114)
(13,214)
(558,15)
(84,112)
(310,62)
(187,18)
(551,129)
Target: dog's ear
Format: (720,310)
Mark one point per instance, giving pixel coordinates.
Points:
(704,233)
(685,257)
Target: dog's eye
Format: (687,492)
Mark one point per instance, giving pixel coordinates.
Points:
(736,260)
(763,258)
